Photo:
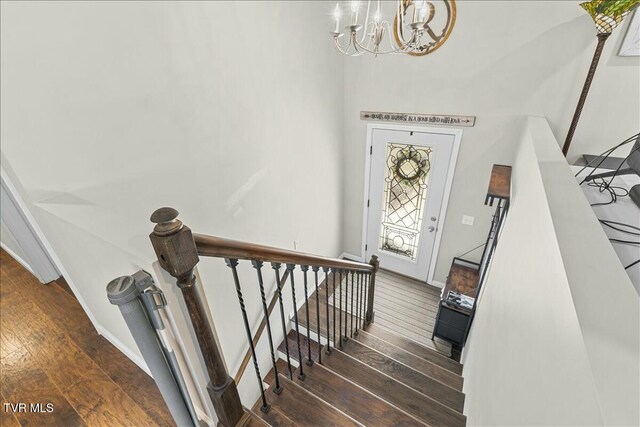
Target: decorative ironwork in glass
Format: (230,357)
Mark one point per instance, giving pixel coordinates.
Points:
(405,191)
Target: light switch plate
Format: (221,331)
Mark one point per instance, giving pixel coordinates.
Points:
(467,220)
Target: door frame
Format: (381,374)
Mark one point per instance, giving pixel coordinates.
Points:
(457,136)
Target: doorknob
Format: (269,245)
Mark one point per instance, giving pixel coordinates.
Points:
(433,218)
(431,229)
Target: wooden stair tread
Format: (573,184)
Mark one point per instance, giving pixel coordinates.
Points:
(301,407)
(408,376)
(393,391)
(362,405)
(253,420)
(432,367)
(353,400)
(415,348)
(274,417)
(387,388)
(313,322)
(432,370)
(423,350)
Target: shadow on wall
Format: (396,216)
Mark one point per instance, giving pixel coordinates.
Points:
(544,54)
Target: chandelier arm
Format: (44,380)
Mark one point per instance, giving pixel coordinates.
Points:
(354,42)
(371,34)
(338,47)
(390,35)
(378,52)
(344,50)
(366,22)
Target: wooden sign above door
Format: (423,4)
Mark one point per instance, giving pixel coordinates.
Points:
(427,119)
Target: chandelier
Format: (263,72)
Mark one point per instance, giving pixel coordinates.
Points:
(419,27)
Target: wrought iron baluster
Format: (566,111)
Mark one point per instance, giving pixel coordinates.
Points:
(291,267)
(276,267)
(358,280)
(361,299)
(326,306)
(334,306)
(232,263)
(365,299)
(353,273)
(340,310)
(315,269)
(258,266)
(305,268)
(346,306)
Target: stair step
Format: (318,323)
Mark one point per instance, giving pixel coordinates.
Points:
(387,388)
(253,420)
(420,350)
(274,417)
(295,406)
(427,367)
(415,348)
(417,363)
(351,399)
(405,374)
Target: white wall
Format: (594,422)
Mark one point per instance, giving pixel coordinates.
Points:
(503,60)
(112,109)
(555,337)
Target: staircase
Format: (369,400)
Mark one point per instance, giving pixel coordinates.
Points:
(330,364)
(375,378)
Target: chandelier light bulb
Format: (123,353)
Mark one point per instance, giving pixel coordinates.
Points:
(355,5)
(336,16)
(423,11)
(417,9)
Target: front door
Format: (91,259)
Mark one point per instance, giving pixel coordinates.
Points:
(407,180)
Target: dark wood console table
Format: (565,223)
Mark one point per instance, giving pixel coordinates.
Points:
(465,277)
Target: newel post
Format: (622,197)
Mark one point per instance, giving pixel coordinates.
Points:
(372,288)
(177,254)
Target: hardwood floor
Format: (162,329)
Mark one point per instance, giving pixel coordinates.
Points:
(406,307)
(51,354)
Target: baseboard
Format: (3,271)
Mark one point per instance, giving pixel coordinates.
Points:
(346,255)
(437,284)
(135,358)
(16,257)
(204,417)
(138,360)
(47,246)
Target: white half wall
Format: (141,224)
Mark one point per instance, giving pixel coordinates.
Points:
(555,339)
(113,109)
(504,60)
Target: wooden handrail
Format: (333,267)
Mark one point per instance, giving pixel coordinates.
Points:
(179,250)
(224,248)
(256,338)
